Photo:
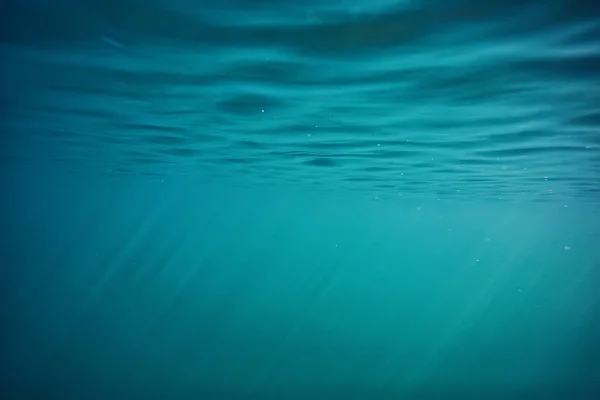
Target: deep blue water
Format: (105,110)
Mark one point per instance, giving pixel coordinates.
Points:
(300,199)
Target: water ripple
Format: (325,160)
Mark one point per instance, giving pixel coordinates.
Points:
(447,99)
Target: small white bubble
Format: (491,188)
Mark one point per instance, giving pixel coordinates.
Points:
(262,110)
(477,260)
(567,248)
(309,135)
(566,205)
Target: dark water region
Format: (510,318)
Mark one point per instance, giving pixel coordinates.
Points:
(300,199)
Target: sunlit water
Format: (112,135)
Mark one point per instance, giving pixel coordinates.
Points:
(300,198)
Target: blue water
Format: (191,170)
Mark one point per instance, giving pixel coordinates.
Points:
(300,199)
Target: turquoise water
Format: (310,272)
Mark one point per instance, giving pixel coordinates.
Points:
(318,199)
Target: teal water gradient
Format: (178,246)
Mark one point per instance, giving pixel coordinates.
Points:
(277,199)
(133,287)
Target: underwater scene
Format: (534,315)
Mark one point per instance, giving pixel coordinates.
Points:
(284,199)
